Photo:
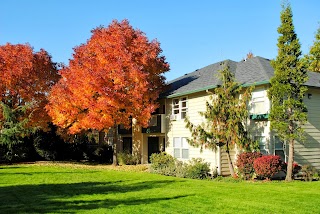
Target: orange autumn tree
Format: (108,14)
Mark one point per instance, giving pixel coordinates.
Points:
(25,81)
(116,75)
(26,78)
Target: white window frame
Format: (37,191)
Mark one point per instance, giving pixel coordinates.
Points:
(258,97)
(180,107)
(180,148)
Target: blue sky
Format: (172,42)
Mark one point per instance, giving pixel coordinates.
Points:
(193,34)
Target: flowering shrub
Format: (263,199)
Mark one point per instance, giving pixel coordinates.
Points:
(245,164)
(267,166)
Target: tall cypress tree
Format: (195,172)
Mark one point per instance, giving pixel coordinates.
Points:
(312,59)
(287,87)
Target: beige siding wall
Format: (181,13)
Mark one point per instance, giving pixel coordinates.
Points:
(309,151)
(305,153)
(196,103)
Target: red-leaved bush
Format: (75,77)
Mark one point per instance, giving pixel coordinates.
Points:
(295,168)
(267,166)
(245,164)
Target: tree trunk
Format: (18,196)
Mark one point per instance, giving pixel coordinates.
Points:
(290,160)
(231,168)
(115,143)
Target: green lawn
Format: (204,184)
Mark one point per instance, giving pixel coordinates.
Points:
(71,189)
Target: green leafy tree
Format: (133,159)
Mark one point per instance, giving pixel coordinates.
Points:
(13,128)
(287,87)
(312,59)
(225,113)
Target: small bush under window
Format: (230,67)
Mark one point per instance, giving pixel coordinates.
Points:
(197,169)
(245,164)
(267,166)
(165,164)
(161,160)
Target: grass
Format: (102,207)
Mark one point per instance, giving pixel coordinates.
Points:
(67,188)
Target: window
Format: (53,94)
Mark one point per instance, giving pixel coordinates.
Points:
(180,107)
(184,107)
(153,120)
(180,147)
(279,148)
(258,102)
(262,144)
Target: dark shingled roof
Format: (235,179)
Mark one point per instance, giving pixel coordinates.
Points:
(253,71)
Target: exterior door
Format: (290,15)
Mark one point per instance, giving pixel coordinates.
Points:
(127,145)
(153,146)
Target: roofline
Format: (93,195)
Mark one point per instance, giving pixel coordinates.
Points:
(257,83)
(212,87)
(310,86)
(191,92)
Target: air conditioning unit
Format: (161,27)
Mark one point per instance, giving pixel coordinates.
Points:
(173,117)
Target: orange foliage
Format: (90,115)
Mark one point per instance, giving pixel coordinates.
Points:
(115,75)
(26,78)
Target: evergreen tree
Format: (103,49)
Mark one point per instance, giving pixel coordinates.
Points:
(13,126)
(312,59)
(225,113)
(287,87)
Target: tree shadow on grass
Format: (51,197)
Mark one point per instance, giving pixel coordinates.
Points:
(69,198)
(34,173)
(9,167)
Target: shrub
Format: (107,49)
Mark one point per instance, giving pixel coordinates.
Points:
(197,169)
(316,175)
(295,170)
(267,166)
(307,172)
(245,164)
(126,158)
(165,164)
(161,160)
(17,153)
(48,145)
(172,170)
(122,158)
(101,153)
(180,169)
